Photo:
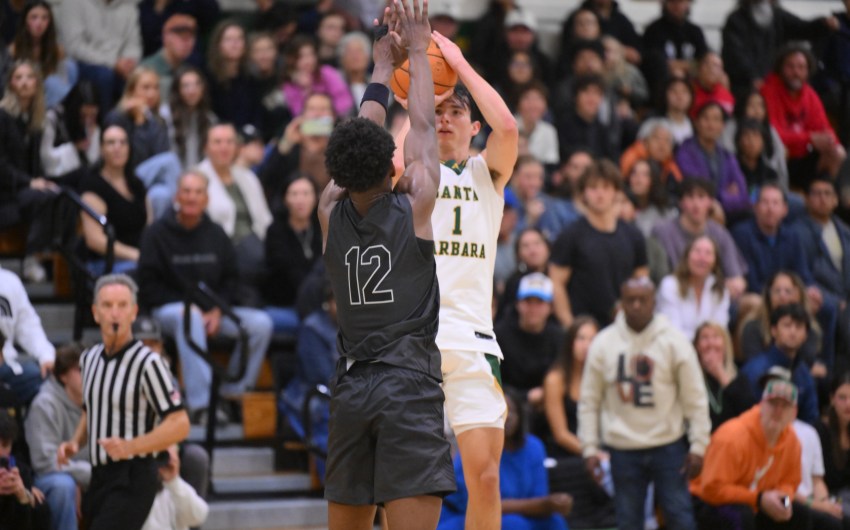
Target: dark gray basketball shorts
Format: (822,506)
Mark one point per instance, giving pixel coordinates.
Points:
(386,438)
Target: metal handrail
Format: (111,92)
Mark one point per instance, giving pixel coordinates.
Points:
(108,230)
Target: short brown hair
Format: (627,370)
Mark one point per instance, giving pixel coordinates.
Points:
(67,358)
(601,170)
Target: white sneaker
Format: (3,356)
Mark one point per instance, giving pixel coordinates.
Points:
(33,271)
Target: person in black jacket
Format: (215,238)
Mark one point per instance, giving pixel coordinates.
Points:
(612,22)
(178,253)
(22,506)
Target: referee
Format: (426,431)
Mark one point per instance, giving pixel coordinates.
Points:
(131,411)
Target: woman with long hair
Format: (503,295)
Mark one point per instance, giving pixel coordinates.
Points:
(264,69)
(532,251)
(696,291)
(728,394)
(36,42)
(561,388)
(835,439)
(188,116)
(151,158)
(304,75)
(649,196)
(234,94)
(113,191)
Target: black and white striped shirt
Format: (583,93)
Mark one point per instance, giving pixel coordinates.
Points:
(123,394)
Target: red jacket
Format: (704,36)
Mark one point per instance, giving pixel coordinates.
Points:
(718,94)
(794,117)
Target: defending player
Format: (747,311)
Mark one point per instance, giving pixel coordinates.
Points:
(386,443)
(466,220)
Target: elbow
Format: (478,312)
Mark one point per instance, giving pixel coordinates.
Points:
(507,126)
(181,426)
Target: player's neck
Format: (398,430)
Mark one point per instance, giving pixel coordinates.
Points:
(364,200)
(458,154)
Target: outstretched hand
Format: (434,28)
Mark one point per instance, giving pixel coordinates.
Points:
(414,28)
(451,52)
(388,46)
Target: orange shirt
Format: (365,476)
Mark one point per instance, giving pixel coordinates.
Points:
(637,151)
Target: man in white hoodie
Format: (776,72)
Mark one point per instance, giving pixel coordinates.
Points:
(642,383)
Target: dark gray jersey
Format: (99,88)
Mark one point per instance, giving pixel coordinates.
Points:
(385,282)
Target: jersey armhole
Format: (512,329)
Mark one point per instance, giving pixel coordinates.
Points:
(426,247)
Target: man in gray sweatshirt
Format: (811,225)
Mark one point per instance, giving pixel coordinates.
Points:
(52,419)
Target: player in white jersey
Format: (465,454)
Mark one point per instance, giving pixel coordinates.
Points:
(466,222)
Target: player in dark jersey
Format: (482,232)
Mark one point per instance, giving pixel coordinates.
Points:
(386,444)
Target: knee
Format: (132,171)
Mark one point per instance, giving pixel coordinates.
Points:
(259,323)
(487,477)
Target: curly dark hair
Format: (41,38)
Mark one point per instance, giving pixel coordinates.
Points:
(359,154)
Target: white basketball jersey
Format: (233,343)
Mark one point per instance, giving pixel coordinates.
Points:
(466,222)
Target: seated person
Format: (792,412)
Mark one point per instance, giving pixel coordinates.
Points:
(750,153)
(789,325)
(655,146)
(52,418)
(645,189)
(26,354)
(177,505)
(529,340)
(238,205)
(22,505)
(695,292)
(826,511)
(523,485)
(581,125)
(678,96)
(729,394)
(709,85)
(176,254)
(836,442)
(293,246)
(536,209)
(703,157)
(113,191)
(532,108)
(178,41)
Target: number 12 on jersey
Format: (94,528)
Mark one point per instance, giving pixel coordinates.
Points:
(373,264)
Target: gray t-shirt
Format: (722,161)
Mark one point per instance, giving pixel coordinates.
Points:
(675,239)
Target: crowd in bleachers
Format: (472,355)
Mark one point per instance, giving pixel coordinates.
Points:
(199,135)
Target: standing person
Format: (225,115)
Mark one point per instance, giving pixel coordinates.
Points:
(126,387)
(466,222)
(386,443)
(641,411)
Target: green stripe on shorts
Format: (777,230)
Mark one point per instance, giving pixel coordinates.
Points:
(495,367)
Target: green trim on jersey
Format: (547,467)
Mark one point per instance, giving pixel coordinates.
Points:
(454,165)
(495,367)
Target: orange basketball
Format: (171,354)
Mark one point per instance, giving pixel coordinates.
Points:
(444,77)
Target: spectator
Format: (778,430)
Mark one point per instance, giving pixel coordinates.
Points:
(596,253)
(532,110)
(561,388)
(704,158)
(581,125)
(521,35)
(656,147)
(251,149)
(104,39)
(332,28)
(536,209)
(531,250)
(21,505)
(64,157)
(750,149)
(752,107)
(137,112)
(833,432)
(234,94)
(178,41)
(752,465)
(528,339)
(641,415)
(188,115)
(523,484)
(35,41)
(564,183)
(693,221)
(678,96)
(354,57)
(178,252)
(672,43)
(303,75)
(489,35)
(612,22)
(27,355)
(83,122)
(826,512)
(264,66)
(826,247)
(177,505)
(113,192)
(710,85)
(521,71)
(26,195)
(293,244)
(623,77)
(695,292)
(154,15)
(237,204)
(649,197)
(729,393)
(789,325)
(301,148)
(797,113)
(52,418)
(752,34)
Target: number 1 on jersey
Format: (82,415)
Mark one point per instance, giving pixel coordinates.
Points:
(456,231)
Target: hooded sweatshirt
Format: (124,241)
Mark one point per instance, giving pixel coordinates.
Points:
(739,464)
(639,389)
(51,420)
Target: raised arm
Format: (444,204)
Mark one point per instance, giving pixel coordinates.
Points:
(387,53)
(421,176)
(503,142)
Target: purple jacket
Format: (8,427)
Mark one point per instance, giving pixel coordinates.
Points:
(694,164)
(329,82)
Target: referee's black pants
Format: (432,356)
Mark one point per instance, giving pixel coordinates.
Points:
(120,495)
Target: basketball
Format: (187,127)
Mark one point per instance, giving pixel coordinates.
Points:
(444,77)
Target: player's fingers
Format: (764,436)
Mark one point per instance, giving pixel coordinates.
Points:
(424,9)
(399,8)
(417,13)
